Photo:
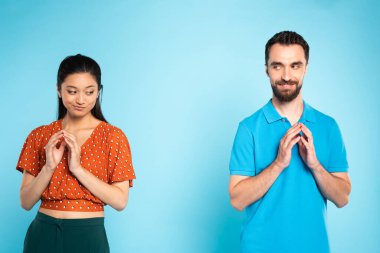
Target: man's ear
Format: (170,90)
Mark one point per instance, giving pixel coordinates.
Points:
(266,70)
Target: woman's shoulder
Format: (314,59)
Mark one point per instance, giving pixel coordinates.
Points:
(111,130)
(48,128)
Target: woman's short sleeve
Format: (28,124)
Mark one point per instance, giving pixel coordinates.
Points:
(29,158)
(120,166)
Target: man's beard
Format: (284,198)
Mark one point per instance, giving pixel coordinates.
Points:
(288,95)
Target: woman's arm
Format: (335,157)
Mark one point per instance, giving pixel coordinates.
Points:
(115,195)
(33,187)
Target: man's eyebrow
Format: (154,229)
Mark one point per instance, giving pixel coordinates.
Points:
(276,63)
(297,63)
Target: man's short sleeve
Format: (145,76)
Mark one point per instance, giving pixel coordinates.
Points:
(337,155)
(242,156)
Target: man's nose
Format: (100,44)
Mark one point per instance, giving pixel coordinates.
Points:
(286,74)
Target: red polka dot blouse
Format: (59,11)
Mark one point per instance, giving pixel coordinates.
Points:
(106,154)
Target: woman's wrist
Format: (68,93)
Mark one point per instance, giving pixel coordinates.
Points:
(78,171)
(48,169)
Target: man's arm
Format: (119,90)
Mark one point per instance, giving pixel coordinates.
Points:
(336,187)
(245,190)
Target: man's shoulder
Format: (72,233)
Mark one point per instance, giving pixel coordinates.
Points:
(254,119)
(322,118)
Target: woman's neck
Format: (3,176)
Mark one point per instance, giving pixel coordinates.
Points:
(72,123)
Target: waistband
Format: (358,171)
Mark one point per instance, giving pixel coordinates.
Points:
(76,205)
(98,221)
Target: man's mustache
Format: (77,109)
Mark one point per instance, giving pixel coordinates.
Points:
(283,82)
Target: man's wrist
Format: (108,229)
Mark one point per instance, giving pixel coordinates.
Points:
(277,167)
(317,167)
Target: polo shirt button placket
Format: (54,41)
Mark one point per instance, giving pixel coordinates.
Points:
(286,123)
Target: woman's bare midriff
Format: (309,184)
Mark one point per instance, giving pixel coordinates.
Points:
(70,215)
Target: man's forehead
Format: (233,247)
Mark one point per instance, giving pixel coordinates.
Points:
(286,53)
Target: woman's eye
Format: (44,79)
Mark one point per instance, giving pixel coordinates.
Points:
(71,92)
(90,92)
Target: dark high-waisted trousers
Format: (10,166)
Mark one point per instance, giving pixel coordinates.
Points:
(51,235)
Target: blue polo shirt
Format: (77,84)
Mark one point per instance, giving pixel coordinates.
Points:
(291,216)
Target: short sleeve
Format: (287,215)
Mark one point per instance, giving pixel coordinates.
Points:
(337,156)
(29,158)
(120,166)
(242,156)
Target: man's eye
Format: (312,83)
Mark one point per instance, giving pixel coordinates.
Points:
(297,66)
(276,67)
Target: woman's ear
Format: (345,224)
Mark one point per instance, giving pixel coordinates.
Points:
(59,92)
(100,89)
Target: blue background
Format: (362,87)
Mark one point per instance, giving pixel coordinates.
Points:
(178,77)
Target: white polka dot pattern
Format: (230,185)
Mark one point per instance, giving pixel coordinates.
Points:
(106,154)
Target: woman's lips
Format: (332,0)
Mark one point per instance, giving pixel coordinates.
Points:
(78,108)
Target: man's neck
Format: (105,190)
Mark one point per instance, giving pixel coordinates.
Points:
(291,110)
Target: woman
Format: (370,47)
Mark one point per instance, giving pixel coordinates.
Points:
(75,165)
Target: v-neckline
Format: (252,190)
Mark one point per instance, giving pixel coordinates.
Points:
(89,138)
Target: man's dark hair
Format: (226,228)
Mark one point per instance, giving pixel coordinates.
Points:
(287,38)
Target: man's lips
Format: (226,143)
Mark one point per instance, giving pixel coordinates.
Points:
(286,85)
(291,83)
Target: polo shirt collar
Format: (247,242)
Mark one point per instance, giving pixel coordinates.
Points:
(308,114)
(272,115)
(270,112)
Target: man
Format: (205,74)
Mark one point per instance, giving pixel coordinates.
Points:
(287,160)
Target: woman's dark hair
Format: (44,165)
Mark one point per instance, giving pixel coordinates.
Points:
(79,64)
